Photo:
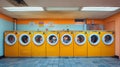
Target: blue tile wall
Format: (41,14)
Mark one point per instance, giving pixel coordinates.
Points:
(35,27)
(4,26)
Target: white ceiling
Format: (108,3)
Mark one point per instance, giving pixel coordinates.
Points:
(62,14)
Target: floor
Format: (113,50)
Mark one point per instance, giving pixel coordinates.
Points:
(59,62)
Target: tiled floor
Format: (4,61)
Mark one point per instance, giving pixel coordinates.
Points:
(59,62)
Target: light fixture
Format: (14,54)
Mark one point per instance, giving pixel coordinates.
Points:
(24,8)
(100,8)
(62,8)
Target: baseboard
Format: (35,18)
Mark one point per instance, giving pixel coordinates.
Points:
(1,57)
(116,56)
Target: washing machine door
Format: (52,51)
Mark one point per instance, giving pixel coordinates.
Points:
(10,39)
(107,39)
(24,39)
(38,39)
(80,39)
(94,39)
(66,39)
(52,39)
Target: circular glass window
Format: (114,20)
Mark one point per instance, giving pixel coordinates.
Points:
(24,39)
(52,39)
(66,39)
(80,39)
(10,39)
(94,39)
(38,39)
(107,39)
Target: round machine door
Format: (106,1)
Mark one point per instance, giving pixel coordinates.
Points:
(94,39)
(38,39)
(80,39)
(108,39)
(52,39)
(24,39)
(10,39)
(66,39)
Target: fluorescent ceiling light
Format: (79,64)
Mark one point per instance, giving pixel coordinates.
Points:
(62,8)
(99,8)
(24,8)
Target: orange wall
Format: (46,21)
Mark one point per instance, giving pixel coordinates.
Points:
(110,25)
(6,17)
(55,21)
(96,21)
(113,22)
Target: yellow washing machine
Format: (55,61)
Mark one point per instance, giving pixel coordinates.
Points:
(24,44)
(66,44)
(108,44)
(52,44)
(94,44)
(38,44)
(80,44)
(11,44)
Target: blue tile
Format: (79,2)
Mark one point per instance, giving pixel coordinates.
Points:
(104,66)
(78,65)
(60,65)
(59,62)
(55,65)
(49,65)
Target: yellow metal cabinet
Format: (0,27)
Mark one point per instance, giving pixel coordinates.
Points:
(11,44)
(108,44)
(52,46)
(25,44)
(66,44)
(94,44)
(80,44)
(38,44)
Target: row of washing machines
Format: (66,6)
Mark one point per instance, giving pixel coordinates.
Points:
(59,44)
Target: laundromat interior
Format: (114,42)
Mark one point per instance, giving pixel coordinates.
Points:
(59,33)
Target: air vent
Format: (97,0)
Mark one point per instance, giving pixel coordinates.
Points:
(18,2)
(80,20)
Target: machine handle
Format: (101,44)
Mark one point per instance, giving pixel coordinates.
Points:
(29,32)
(98,32)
